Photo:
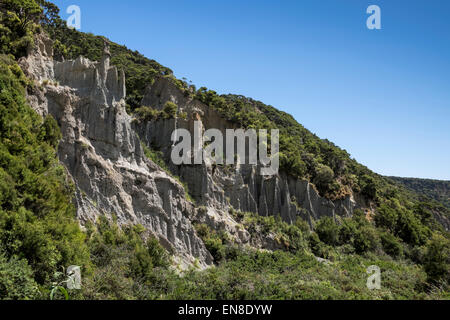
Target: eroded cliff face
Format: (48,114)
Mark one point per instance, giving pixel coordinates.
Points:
(239,187)
(103,154)
(101,149)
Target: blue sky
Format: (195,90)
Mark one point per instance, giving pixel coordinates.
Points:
(383,95)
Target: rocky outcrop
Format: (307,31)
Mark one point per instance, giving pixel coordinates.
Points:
(101,149)
(240,187)
(103,154)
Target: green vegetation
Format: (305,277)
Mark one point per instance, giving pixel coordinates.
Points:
(170,110)
(437,190)
(18,21)
(144,113)
(38,229)
(294,272)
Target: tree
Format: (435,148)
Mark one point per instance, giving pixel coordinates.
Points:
(170,110)
(366,239)
(50,14)
(328,231)
(323,178)
(391,245)
(16,280)
(368,187)
(437,259)
(386,217)
(17,22)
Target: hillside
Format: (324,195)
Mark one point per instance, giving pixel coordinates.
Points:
(85,139)
(438,190)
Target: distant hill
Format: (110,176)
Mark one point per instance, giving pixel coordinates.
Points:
(438,190)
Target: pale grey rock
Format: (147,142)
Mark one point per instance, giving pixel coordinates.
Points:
(103,154)
(241,188)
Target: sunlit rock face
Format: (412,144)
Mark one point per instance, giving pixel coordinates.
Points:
(242,187)
(104,156)
(101,149)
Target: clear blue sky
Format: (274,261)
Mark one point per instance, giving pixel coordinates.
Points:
(383,95)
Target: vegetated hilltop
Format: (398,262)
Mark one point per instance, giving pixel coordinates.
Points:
(139,213)
(438,190)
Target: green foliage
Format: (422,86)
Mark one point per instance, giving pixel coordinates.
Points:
(283,275)
(125,265)
(403,223)
(437,259)
(16,280)
(37,219)
(366,239)
(289,236)
(368,187)
(386,217)
(391,245)
(18,22)
(214,241)
(328,231)
(324,176)
(170,110)
(50,132)
(145,114)
(433,189)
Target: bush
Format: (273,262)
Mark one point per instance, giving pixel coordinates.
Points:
(324,178)
(366,239)
(303,226)
(18,22)
(37,218)
(391,245)
(328,231)
(410,230)
(145,113)
(386,217)
(347,231)
(170,110)
(368,187)
(437,259)
(213,241)
(16,280)
(125,265)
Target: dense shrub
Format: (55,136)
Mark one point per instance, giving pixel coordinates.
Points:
(213,240)
(437,259)
(324,176)
(145,113)
(37,219)
(328,231)
(347,230)
(170,110)
(16,280)
(366,239)
(386,217)
(125,265)
(391,245)
(18,22)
